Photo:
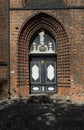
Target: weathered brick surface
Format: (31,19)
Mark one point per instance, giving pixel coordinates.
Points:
(3,30)
(74,2)
(72,21)
(16,3)
(3,47)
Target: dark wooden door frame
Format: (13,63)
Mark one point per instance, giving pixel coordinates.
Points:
(44,57)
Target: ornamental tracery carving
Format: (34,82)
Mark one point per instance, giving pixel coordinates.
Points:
(42,46)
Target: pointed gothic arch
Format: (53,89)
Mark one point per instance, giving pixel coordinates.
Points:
(49,23)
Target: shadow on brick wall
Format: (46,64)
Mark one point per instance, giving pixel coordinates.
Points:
(3,87)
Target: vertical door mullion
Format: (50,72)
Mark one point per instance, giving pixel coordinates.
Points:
(42,74)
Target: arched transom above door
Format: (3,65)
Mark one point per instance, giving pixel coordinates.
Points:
(42,43)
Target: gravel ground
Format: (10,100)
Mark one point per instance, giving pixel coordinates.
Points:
(41,113)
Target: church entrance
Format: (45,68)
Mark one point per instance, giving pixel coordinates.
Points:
(43,64)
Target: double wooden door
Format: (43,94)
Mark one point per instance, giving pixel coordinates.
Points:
(43,74)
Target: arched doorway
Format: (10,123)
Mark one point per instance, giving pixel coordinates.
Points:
(29,50)
(43,63)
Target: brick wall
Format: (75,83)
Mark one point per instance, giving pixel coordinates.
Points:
(72,21)
(3,47)
(74,2)
(16,3)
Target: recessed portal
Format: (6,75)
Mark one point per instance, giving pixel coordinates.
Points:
(43,63)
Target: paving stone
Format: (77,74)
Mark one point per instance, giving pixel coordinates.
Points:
(28,114)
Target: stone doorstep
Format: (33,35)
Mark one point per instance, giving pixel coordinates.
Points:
(54,98)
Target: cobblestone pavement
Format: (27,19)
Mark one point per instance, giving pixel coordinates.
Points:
(41,113)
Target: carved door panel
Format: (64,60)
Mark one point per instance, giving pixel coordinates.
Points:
(43,74)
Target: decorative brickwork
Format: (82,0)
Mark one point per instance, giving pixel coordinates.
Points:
(63,49)
(67,27)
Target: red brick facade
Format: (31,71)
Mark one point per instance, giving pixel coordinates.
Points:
(67,27)
(3,48)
